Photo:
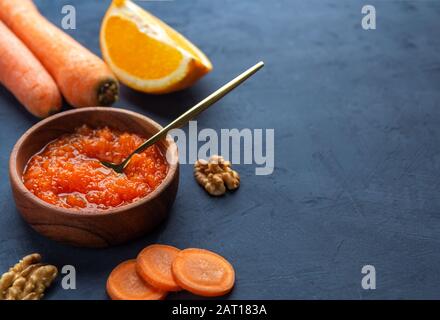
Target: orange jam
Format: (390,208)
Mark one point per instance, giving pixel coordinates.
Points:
(68,172)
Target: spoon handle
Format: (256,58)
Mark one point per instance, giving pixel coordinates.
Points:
(201,106)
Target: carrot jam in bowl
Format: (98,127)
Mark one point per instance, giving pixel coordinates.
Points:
(68,172)
(64,192)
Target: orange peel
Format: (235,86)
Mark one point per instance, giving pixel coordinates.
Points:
(146,54)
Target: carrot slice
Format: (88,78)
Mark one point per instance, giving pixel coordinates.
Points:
(203,272)
(153,264)
(125,284)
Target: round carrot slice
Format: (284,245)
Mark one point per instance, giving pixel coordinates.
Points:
(125,284)
(153,264)
(203,272)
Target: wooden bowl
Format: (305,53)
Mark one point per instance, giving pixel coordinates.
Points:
(83,227)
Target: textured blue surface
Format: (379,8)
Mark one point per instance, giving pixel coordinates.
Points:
(356,117)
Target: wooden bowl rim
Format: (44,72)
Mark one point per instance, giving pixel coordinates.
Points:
(172,170)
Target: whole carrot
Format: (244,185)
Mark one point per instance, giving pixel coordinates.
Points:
(23,75)
(83,78)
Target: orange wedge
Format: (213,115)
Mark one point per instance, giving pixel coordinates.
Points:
(146,54)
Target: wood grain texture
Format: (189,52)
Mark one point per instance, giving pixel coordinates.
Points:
(86,227)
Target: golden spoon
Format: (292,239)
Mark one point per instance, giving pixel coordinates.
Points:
(188,115)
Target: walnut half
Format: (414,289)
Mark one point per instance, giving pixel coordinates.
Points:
(27,280)
(215,175)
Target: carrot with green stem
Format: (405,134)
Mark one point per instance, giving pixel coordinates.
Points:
(83,78)
(23,75)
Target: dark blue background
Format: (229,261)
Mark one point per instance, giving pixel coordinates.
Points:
(356,118)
